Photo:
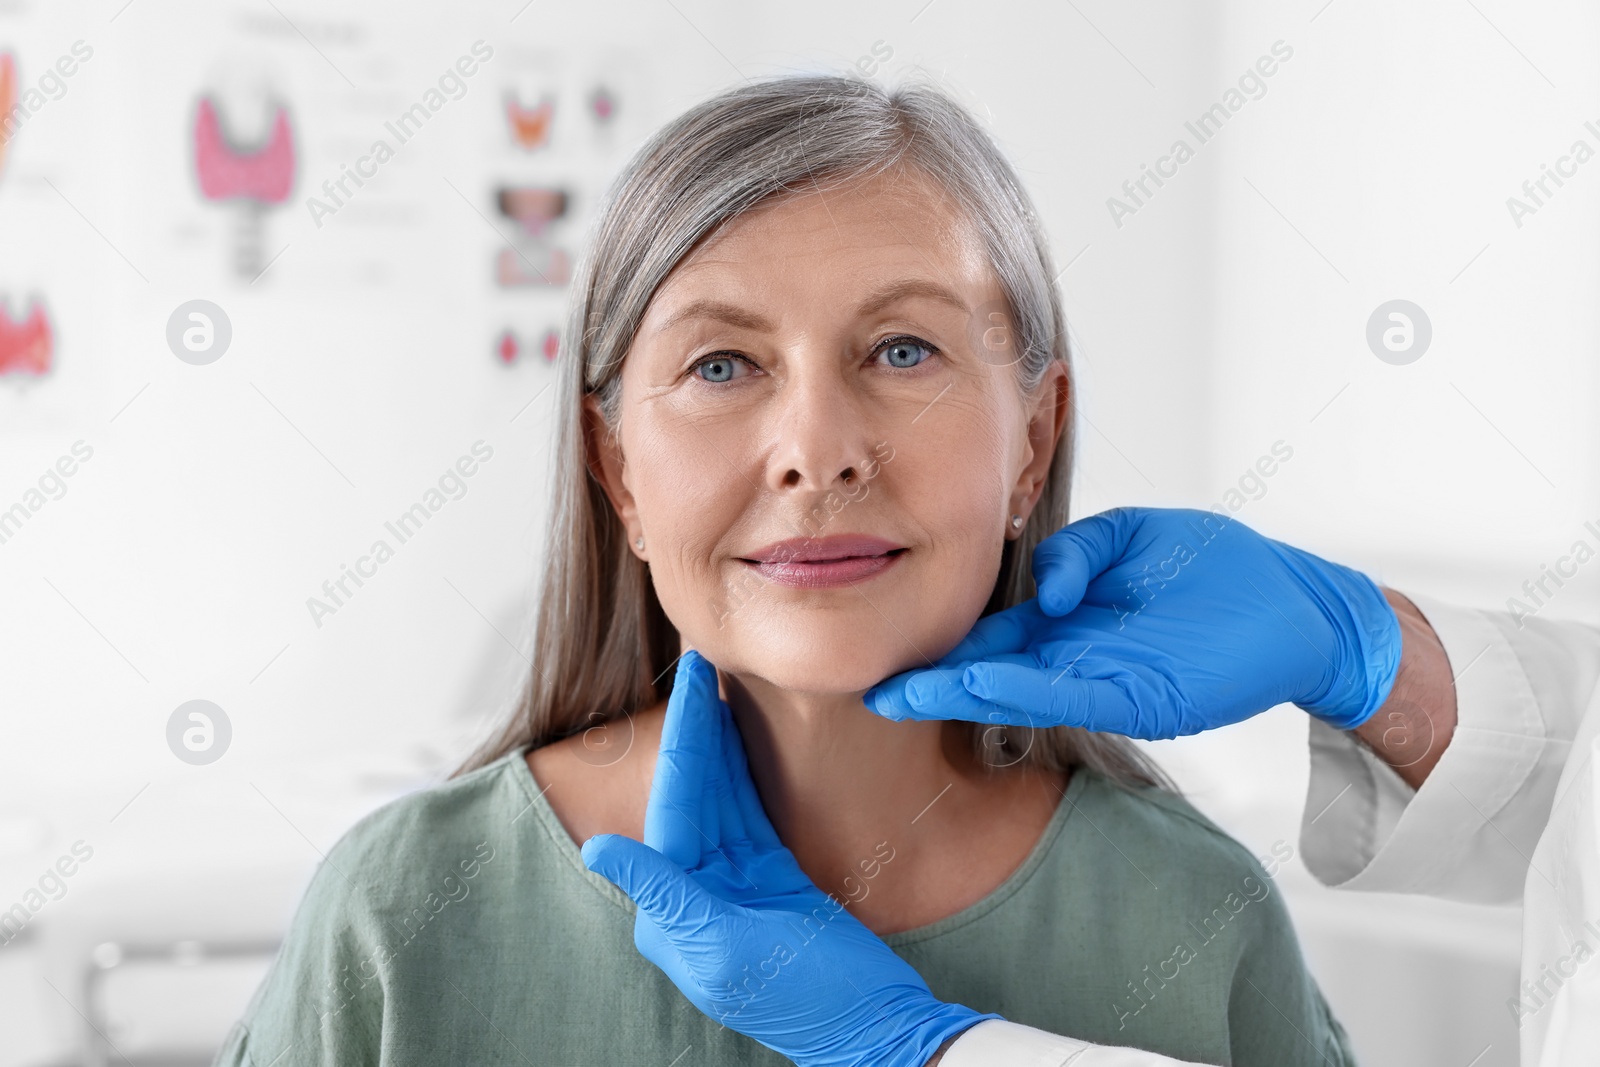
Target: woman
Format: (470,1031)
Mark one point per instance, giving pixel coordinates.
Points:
(813,419)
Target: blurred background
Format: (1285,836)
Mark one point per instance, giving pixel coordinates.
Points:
(237,338)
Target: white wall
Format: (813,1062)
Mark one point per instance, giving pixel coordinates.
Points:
(1222,316)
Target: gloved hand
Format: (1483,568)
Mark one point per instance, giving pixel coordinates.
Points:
(1157,623)
(727,913)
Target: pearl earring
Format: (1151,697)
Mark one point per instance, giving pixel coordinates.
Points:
(638,543)
(1016,522)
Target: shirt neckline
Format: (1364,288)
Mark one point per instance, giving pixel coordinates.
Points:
(569,850)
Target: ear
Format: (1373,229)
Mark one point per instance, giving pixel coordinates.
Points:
(1047,418)
(603,453)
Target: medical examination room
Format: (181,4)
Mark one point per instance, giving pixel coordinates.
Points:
(415,654)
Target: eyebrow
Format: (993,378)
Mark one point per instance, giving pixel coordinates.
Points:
(876,301)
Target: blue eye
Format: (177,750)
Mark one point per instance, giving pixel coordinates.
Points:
(902,351)
(723,368)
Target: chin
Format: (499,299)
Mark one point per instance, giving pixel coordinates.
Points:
(828,662)
(820,677)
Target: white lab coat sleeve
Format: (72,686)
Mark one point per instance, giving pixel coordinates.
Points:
(1000,1043)
(1514,801)
(1523,686)
(1557,1003)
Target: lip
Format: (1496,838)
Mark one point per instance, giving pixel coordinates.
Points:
(821,562)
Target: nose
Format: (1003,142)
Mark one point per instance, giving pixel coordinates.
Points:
(823,437)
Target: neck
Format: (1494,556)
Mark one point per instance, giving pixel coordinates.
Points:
(837,780)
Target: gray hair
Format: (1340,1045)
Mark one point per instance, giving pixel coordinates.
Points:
(602,640)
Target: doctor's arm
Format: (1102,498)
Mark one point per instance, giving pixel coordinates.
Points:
(1412,729)
(1444,790)
(1448,787)
(1437,734)
(1002,1042)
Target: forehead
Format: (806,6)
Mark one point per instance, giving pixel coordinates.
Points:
(838,234)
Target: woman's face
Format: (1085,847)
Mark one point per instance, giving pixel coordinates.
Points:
(831,364)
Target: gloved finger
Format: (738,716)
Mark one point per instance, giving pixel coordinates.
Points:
(1011,630)
(1068,560)
(937,695)
(719,778)
(751,814)
(712,788)
(963,706)
(929,687)
(888,697)
(712,826)
(675,814)
(1055,696)
(921,695)
(663,891)
(1008,631)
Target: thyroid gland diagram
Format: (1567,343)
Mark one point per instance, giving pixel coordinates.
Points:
(28,346)
(8,100)
(255,176)
(530,126)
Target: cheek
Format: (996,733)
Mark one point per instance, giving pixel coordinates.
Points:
(963,465)
(683,483)
(688,500)
(959,506)
(950,483)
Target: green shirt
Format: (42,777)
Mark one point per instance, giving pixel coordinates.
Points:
(458,925)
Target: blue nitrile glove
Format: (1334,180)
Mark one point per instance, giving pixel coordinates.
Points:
(727,913)
(1157,623)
